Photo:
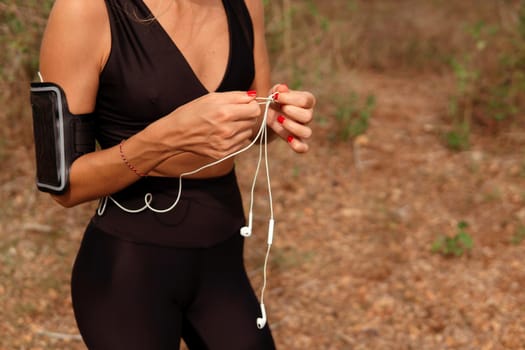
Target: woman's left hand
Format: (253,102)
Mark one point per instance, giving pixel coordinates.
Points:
(290,115)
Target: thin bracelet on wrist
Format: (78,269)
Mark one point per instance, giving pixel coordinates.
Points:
(129,165)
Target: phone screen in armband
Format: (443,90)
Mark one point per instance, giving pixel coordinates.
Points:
(48,127)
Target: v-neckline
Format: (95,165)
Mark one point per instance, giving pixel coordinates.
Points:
(174,45)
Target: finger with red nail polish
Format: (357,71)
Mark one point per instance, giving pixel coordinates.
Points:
(281,119)
(290,138)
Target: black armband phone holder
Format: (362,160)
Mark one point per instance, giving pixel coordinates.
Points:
(60,137)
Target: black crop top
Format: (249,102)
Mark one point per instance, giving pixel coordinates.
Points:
(146,76)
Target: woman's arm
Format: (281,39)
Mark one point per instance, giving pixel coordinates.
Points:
(294,111)
(74,49)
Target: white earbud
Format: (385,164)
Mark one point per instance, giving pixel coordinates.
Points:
(246,231)
(271,224)
(261,321)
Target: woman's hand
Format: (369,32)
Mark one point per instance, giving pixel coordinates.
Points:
(214,125)
(290,116)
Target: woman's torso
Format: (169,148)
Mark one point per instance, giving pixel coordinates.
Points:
(146,76)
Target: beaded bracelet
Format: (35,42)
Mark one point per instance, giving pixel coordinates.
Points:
(125,160)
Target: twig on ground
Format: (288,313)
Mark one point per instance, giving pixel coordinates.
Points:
(57,335)
(345,338)
(357,157)
(34,226)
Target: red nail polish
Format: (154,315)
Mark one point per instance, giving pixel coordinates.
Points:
(276,96)
(290,139)
(281,119)
(252,93)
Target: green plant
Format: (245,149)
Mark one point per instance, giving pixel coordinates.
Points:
(493,195)
(467,76)
(457,245)
(458,138)
(490,79)
(353,116)
(507,95)
(21,27)
(296,171)
(519,236)
(291,258)
(20,33)
(294,28)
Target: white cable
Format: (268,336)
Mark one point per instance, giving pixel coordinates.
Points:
(265,269)
(148,198)
(271,222)
(270,199)
(262,136)
(252,192)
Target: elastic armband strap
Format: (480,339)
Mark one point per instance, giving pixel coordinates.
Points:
(60,136)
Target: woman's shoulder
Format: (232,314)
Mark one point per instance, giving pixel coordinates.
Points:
(87,12)
(82,19)
(76,27)
(76,41)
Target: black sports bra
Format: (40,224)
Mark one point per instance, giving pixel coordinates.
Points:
(146,76)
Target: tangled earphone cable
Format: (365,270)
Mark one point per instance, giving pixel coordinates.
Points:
(148,197)
(246,231)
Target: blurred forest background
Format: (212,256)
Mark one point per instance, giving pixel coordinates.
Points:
(403,228)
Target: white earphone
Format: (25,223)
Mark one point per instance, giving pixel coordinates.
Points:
(245,231)
(261,321)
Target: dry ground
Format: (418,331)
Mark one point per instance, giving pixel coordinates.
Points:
(351,267)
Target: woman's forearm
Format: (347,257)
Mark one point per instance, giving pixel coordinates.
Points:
(101,173)
(211,127)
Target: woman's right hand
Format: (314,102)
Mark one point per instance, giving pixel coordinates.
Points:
(214,125)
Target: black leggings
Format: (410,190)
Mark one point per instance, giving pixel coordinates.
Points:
(145,297)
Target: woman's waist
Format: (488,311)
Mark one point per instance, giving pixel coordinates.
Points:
(218,191)
(208,211)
